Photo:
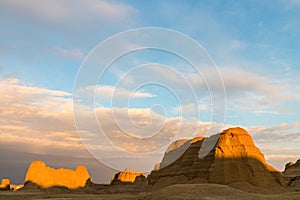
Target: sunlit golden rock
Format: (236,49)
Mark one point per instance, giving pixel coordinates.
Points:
(15,187)
(38,173)
(5,184)
(196,139)
(237,159)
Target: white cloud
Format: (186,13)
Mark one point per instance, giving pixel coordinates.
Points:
(13,84)
(49,10)
(203,105)
(108,92)
(73,53)
(59,11)
(110,10)
(39,120)
(245,90)
(279,143)
(67,11)
(282,131)
(278,161)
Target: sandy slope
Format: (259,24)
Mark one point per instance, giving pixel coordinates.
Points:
(182,191)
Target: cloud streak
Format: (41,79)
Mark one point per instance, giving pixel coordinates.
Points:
(66,11)
(109,92)
(72,53)
(245,89)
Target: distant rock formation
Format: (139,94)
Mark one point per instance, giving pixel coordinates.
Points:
(5,184)
(129,176)
(234,158)
(292,175)
(15,187)
(45,177)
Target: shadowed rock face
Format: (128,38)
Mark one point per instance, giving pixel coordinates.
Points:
(46,177)
(234,158)
(173,152)
(128,176)
(292,175)
(5,184)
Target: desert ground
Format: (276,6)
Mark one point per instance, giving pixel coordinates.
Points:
(177,192)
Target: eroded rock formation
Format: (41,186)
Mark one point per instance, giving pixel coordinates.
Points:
(5,184)
(233,159)
(46,177)
(292,175)
(128,176)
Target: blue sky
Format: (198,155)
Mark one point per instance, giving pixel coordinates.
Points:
(254,44)
(46,49)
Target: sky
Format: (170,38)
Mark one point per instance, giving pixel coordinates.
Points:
(56,105)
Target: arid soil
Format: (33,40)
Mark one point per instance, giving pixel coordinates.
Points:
(180,191)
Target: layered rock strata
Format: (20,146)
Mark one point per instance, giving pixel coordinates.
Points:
(233,158)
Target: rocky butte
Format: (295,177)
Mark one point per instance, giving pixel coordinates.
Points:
(128,176)
(46,177)
(233,160)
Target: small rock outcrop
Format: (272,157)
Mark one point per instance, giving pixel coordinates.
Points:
(15,187)
(5,184)
(233,159)
(45,177)
(128,176)
(292,175)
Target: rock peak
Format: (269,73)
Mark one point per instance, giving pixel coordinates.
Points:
(235,130)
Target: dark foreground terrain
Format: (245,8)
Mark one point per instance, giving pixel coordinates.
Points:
(180,191)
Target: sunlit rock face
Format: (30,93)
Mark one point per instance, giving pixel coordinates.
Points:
(234,158)
(292,175)
(128,176)
(46,177)
(15,187)
(5,184)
